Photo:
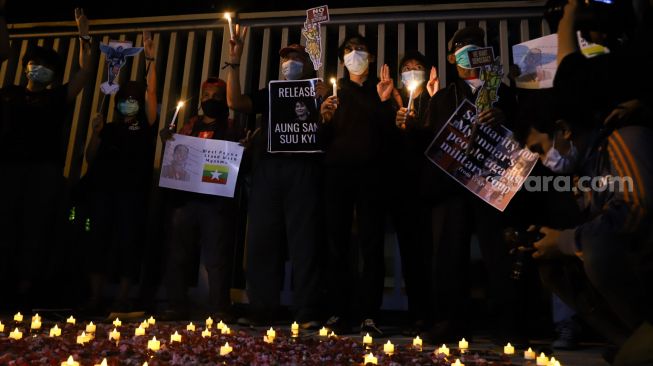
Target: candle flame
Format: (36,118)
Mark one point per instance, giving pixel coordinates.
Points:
(227,16)
(333,80)
(412,86)
(180,104)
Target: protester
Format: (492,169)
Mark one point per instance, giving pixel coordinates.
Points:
(32,151)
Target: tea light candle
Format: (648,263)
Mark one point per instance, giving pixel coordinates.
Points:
(457,363)
(509,349)
(70,320)
(16,334)
(267,339)
(18,318)
(206,333)
(370,359)
(444,350)
(190,327)
(333,335)
(529,354)
(389,348)
(145,324)
(225,330)
(552,361)
(153,344)
(103,363)
(463,344)
(367,340)
(175,337)
(542,360)
(2,327)
(117,322)
(209,322)
(114,335)
(221,325)
(151,321)
(82,338)
(140,331)
(36,324)
(70,362)
(417,343)
(90,328)
(294,328)
(36,317)
(324,332)
(55,331)
(271,333)
(226,349)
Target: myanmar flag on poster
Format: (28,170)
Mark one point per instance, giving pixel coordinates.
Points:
(215,174)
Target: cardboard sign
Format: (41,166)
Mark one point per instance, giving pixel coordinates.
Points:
(481,57)
(318,15)
(312,33)
(116,53)
(294,117)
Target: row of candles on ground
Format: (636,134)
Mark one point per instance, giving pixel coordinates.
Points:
(154,344)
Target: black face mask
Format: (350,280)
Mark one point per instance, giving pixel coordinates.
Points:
(215,109)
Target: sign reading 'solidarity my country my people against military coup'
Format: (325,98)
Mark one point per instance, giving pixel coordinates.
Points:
(294,117)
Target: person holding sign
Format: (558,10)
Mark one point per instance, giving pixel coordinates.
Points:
(285,195)
(120,157)
(455,213)
(356,131)
(33,120)
(201,220)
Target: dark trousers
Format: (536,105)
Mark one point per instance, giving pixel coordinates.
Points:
(348,190)
(284,204)
(209,224)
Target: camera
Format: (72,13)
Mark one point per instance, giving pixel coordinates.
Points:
(521,247)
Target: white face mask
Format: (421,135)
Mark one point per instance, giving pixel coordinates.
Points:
(414,75)
(558,163)
(39,74)
(292,70)
(357,62)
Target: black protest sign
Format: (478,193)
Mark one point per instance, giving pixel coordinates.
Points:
(294,116)
(481,57)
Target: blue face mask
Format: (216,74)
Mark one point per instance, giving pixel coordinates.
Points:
(39,74)
(462,56)
(292,70)
(128,107)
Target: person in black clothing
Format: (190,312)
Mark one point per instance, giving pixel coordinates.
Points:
(32,151)
(356,131)
(456,214)
(120,156)
(200,220)
(284,207)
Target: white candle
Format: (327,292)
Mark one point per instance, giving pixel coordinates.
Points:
(174,118)
(55,331)
(70,320)
(16,334)
(529,354)
(151,321)
(206,333)
(411,87)
(271,333)
(209,322)
(36,324)
(225,330)
(231,26)
(463,345)
(114,335)
(221,325)
(175,337)
(335,86)
(36,318)
(370,359)
(82,338)
(117,322)
(417,343)
(294,329)
(153,344)
(18,317)
(324,332)
(367,340)
(509,349)
(226,349)
(190,327)
(444,350)
(389,348)
(70,362)
(542,360)
(140,331)
(90,328)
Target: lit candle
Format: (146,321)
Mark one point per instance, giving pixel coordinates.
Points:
(103,363)
(557,363)
(225,330)
(70,362)
(324,332)
(145,324)
(389,348)
(529,354)
(411,87)
(231,26)
(175,337)
(36,318)
(367,340)
(36,324)
(209,322)
(294,328)
(190,327)
(18,317)
(332,335)
(2,327)
(90,328)
(55,331)
(226,349)
(153,344)
(221,325)
(174,117)
(206,333)
(140,331)
(151,321)
(370,359)
(444,350)
(509,349)
(417,343)
(463,345)
(82,338)
(271,333)
(16,334)
(542,360)
(117,322)
(457,363)
(335,87)
(70,320)
(114,335)
(552,361)
(267,340)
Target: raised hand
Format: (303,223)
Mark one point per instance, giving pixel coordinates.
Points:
(236,44)
(386,85)
(82,22)
(433,85)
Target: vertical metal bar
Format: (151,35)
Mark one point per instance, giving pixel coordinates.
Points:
(442,54)
(56,43)
(284,43)
(401,48)
(461,24)
(361,29)
(421,38)
(505,48)
(483,25)
(74,126)
(245,64)
(265,59)
(137,70)
(112,99)
(186,80)
(40,42)
(207,62)
(323,46)
(523,30)
(167,101)
(380,48)
(342,33)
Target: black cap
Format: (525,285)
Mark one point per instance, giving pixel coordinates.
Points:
(467,35)
(301,50)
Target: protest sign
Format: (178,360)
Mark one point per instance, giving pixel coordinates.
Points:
(312,33)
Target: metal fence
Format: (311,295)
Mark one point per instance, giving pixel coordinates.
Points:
(190,48)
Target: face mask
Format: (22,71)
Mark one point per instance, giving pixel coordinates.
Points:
(215,109)
(292,70)
(357,62)
(561,164)
(462,56)
(128,107)
(414,75)
(40,74)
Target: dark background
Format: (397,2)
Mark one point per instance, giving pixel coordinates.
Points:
(18,11)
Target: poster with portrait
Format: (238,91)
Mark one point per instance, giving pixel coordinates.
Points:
(486,160)
(201,165)
(294,117)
